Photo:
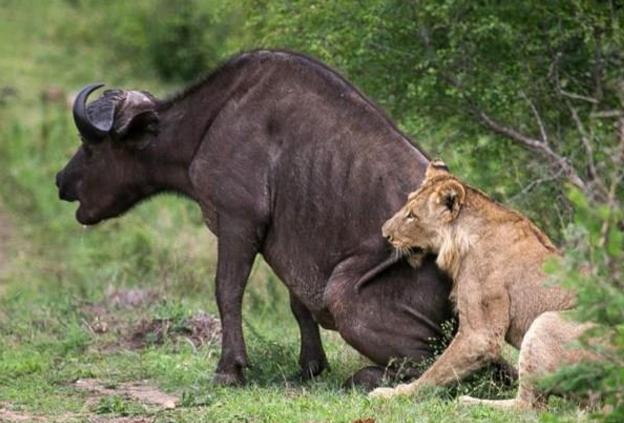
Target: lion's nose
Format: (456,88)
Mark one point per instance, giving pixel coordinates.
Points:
(385,232)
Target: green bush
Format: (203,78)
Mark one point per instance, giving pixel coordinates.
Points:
(185,38)
(174,40)
(594,267)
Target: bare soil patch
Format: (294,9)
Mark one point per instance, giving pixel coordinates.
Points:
(103,419)
(7,415)
(131,298)
(199,329)
(141,392)
(136,330)
(137,391)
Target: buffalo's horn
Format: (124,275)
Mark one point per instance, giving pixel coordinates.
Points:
(90,131)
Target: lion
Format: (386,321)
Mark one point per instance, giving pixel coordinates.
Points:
(495,258)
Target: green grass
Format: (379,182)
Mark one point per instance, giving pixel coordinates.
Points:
(58,273)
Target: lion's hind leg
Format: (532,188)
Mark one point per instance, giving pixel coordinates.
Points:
(527,398)
(546,347)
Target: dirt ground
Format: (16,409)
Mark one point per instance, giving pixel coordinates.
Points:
(200,330)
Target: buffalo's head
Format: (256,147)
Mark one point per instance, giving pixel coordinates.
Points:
(109,174)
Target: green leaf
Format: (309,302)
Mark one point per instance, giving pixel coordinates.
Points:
(615,242)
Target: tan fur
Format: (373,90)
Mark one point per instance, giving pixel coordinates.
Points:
(495,257)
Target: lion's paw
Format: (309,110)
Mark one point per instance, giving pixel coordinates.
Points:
(402,389)
(382,393)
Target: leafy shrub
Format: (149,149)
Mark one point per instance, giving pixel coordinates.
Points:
(174,40)
(184,39)
(594,268)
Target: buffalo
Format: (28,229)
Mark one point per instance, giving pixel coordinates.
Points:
(288,160)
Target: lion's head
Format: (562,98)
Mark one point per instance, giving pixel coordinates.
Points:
(420,225)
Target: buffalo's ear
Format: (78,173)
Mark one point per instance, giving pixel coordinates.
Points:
(448,199)
(436,168)
(136,113)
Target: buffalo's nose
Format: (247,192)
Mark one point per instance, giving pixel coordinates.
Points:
(65,193)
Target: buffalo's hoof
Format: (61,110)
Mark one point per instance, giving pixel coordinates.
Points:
(366,379)
(312,369)
(504,373)
(235,378)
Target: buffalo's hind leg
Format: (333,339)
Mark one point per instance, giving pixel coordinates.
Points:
(237,248)
(367,378)
(371,377)
(312,357)
(394,316)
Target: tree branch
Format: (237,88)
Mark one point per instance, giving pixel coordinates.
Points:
(607,114)
(534,184)
(618,176)
(589,150)
(574,96)
(532,144)
(538,118)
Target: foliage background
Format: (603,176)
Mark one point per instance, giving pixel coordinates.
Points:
(456,75)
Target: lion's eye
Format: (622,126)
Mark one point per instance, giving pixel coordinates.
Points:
(410,215)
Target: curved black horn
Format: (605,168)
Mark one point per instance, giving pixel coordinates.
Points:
(89,130)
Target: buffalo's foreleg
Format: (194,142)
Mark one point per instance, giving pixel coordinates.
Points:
(236,251)
(311,356)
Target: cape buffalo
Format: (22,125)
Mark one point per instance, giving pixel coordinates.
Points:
(288,160)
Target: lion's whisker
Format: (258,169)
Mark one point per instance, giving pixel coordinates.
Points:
(397,253)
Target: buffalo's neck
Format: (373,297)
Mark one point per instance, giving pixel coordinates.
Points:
(166,160)
(183,124)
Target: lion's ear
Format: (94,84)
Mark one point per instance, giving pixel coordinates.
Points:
(448,199)
(436,168)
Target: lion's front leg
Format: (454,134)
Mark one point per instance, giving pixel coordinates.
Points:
(468,352)
(483,322)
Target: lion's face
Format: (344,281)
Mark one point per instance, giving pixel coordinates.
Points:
(413,226)
(428,214)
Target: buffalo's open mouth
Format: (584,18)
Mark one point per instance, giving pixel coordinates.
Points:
(84,217)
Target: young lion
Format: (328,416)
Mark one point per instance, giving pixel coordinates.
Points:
(495,258)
